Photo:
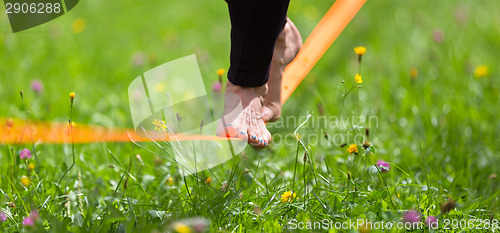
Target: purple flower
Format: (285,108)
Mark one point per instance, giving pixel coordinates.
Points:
(34,214)
(438,36)
(28,221)
(3,218)
(383,166)
(411,216)
(25,154)
(217,86)
(139,58)
(36,86)
(431,222)
(200,224)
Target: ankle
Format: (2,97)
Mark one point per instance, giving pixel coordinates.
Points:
(259,91)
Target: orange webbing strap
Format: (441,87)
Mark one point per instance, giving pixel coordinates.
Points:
(16,131)
(320,39)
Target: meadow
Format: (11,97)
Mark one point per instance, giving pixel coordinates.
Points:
(416,142)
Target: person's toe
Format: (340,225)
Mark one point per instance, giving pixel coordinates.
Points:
(262,143)
(266,136)
(253,138)
(242,134)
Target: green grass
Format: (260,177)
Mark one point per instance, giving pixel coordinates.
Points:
(440,130)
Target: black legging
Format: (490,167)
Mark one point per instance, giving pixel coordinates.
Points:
(255,26)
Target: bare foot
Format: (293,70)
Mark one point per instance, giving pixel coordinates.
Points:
(287,46)
(242,117)
(245,109)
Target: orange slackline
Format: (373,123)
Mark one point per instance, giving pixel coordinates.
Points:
(320,39)
(15,131)
(324,34)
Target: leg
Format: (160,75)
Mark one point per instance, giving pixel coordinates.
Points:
(256,24)
(287,46)
(255,27)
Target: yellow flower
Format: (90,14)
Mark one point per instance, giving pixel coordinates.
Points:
(181,228)
(31,166)
(209,180)
(358,78)
(160,87)
(71,95)
(220,72)
(25,181)
(481,71)
(78,25)
(288,196)
(170,181)
(353,148)
(365,228)
(159,125)
(360,50)
(413,73)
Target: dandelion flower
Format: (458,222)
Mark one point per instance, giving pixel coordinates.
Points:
(72,95)
(181,228)
(358,78)
(353,148)
(481,71)
(360,50)
(25,181)
(383,166)
(209,180)
(170,181)
(159,125)
(25,154)
(31,166)
(220,72)
(413,73)
(288,196)
(365,228)
(160,87)
(78,26)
